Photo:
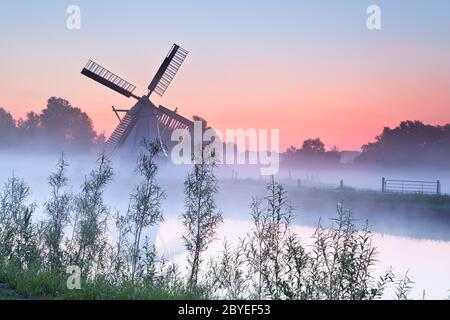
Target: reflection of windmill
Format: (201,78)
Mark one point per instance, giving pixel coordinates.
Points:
(144,119)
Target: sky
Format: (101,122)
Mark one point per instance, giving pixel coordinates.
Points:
(309,68)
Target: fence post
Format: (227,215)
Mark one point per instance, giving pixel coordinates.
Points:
(383,185)
(438,187)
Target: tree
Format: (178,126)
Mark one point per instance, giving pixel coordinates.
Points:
(31,123)
(410,143)
(201,217)
(7,128)
(313,146)
(291,151)
(312,153)
(203,121)
(58,126)
(67,125)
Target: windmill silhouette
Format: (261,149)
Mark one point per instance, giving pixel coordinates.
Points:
(144,119)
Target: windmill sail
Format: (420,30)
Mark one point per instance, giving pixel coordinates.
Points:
(168,70)
(172,120)
(121,130)
(101,75)
(144,120)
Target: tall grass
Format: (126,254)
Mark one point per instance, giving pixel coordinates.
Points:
(270,262)
(144,211)
(88,244)
(58,211)
(201,217)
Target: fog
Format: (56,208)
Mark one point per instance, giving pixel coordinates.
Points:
(410,237)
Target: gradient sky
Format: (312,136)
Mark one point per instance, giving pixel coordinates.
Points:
(309,68)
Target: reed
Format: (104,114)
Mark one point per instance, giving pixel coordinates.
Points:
(270,262)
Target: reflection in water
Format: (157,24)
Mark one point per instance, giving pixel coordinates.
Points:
(426,261)
(408,241)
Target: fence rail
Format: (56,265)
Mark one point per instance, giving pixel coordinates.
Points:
(409,186)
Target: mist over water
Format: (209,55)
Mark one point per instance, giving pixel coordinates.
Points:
(413,239)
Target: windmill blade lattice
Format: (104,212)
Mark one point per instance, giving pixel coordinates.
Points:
(167,122)
(121,130)
(100,74)
(168,70)
(143,120)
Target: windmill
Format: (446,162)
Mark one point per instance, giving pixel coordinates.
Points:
(144,119)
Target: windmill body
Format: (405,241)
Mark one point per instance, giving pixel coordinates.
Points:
(144,120)
(142,124)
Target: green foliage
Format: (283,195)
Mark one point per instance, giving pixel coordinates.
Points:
(17,237)
(33,258)
(89,243)
(58,125)
(338,266)
(201,217)
(411,143)
(311,154)
(271,218)
(37,284)
(145,208)
(227,277)
(270,262)
(57,210)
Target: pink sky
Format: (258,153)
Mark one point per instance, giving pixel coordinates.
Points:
(346,107)
(309,72)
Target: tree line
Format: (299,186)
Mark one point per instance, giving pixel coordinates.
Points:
(59,126)
(411,143)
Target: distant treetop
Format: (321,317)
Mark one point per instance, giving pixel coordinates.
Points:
(58,126)
(410,143)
